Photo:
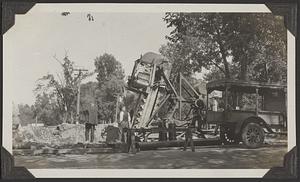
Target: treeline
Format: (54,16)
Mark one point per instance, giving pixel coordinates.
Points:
(56,95)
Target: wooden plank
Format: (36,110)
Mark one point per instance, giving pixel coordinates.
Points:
(176,143)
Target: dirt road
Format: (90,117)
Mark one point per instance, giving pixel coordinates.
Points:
(214,157)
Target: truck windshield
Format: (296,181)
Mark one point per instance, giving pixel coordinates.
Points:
(236,101)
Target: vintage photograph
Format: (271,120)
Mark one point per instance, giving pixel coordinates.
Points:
(147,90)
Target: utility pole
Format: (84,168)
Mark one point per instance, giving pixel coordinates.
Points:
(78,93)
(118,96)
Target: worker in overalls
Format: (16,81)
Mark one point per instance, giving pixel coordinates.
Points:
(189,138)
(124,123)
(197,121)
(90,125)
(198,116)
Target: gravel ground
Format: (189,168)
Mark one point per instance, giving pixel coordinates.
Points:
(213,157)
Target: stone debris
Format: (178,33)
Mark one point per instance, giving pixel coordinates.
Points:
(68,135)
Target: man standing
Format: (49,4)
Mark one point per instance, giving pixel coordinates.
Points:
(189,139)
(124,123)
(92,116)
(214,104)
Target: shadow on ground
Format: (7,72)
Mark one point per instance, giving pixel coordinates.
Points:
(204,158)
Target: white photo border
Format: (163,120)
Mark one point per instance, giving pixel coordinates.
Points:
(150,173)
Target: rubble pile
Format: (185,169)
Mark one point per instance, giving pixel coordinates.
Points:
(54,136)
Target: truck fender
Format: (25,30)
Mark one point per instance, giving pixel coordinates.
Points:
(253,119)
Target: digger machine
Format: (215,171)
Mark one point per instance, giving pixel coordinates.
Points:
(168,106)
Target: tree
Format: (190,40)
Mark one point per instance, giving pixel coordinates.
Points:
(26,114)
(15,116)
(203,38)
(110,77)
(130,100)
(87,95)
(46,110)
(107,67)
(222,41)
(270,61)
(262,45)
(64,88)
(176,54)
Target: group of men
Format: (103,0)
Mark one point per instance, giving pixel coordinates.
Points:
(90,118)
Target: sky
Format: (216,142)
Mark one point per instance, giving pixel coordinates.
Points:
(38,36)
(124,30)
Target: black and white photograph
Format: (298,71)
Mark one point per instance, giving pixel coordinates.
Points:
(181,90)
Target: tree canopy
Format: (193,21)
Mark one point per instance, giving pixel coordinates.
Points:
(108,67)
(110,75)
(225,42)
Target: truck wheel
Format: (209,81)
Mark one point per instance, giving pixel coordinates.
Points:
(227,135)
(253,135)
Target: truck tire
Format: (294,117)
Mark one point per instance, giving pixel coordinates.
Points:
(253,135)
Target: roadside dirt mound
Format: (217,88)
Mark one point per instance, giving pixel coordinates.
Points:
(54,136)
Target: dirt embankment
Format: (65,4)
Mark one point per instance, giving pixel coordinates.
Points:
(53,136)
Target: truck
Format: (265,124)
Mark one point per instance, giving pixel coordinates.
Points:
(267,114)
(220,106)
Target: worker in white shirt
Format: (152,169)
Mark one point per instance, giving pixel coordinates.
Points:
(214,104)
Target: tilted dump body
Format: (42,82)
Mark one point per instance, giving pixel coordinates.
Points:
(150,80)
(147,81)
